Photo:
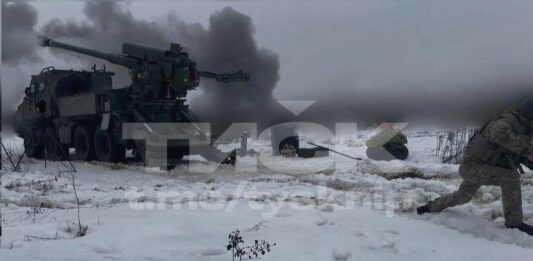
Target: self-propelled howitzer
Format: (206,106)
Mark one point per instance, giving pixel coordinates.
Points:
(66,109)
(159,73)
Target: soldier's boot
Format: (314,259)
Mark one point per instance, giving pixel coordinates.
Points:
(524,228)
(463,195)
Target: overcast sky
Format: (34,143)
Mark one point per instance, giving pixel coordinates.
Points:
(420,51)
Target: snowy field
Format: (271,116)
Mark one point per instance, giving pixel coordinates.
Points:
(329,208)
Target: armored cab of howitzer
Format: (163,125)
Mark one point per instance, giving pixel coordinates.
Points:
(65,109)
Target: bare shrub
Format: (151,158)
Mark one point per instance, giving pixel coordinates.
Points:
(82,229)
(452,144)
(14,155)
(240,252)
(37,206)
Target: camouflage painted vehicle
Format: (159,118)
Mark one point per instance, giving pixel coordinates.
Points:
(65,109)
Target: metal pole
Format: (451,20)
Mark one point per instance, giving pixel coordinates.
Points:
(334,151)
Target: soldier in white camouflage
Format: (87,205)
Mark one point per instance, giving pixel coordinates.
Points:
(493,157)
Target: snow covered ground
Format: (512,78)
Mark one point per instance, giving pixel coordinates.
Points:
(313,209)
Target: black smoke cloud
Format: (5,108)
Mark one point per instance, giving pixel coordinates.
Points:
(415,61)
(107,26)
(18,49)
(226,45)
(18,34)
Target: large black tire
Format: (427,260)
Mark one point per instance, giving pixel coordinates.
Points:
(53,150)
(106,148)
(33,143)
(83,143)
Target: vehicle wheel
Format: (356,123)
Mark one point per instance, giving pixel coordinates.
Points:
(106,149)
(33,143)
(52,149)
(83,143)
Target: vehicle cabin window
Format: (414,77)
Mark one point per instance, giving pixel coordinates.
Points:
(37,87)
(72,85)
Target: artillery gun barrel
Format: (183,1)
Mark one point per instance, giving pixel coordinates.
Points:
(110,57)
(238,76)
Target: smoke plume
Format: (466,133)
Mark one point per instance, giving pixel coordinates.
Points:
(18,33)
(226,45)
(18,49)
(418,61)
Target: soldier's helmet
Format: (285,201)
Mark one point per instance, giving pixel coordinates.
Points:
(526,108)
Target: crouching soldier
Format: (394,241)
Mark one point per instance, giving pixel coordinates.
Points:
(493,157)
(388,144)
